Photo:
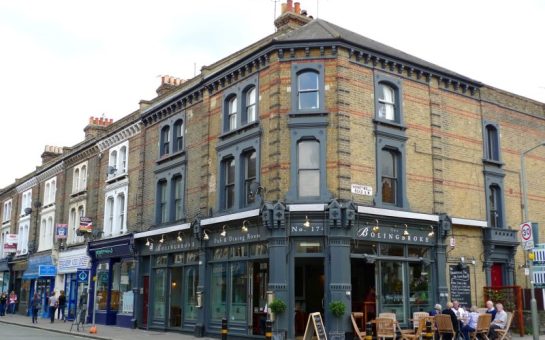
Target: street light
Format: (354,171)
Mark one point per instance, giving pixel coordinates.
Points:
(533,302)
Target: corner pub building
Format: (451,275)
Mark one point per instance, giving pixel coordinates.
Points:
(315,165)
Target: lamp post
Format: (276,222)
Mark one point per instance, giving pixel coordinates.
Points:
(533,302)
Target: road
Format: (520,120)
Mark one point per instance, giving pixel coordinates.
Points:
(10,332)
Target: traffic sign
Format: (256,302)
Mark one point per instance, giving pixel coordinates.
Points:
(527,236)
(83,275)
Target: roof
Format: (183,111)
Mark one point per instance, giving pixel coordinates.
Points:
(319,29)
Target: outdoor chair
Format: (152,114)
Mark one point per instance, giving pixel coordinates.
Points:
(483,326)
(389,316)
(385,328)
(505,333)
(444,325)
(357,332)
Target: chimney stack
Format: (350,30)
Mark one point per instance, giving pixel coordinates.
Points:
(50,153)
(96,126)
(168,83)
(291,17)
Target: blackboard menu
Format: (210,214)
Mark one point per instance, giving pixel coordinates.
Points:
(460,285)
(315,325)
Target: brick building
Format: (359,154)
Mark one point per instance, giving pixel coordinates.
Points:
(315,165)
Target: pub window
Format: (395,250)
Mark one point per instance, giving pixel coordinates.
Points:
(239,251)
(161,260)
(391,249)
(192,257)
(258,249)
(179,258)
(308,247)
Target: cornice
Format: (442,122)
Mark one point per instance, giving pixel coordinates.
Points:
(55,170)
(27,185)
(119,137)
(81,155)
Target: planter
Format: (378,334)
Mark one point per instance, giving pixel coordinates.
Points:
(336,335)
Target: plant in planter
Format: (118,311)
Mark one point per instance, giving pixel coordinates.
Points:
(277,307)
(337,309)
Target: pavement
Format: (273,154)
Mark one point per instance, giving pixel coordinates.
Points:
(120,333)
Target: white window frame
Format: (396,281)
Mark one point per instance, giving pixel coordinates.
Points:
(47,224)
(26,201)
(23,232)
(3,233)
(6,213)
(115,217)
(50,191)
(73,222)
(118,159)
(79,178)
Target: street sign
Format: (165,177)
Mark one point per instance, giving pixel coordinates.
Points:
(83,275)
(539,277)
(527,236)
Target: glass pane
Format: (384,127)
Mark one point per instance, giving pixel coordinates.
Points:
(250,113)
(159,295)
(230,171)
(229,196)
(126,295)
(388,94)
(250,96)
(392,290)
(103,279)
(419,287)
(175,310)
(239,251)
(309,183)
(308,100)
(418,251)
(218,291)
(308,247)
(391,250)
(387,162)
(190,291)
(309,154)
(364,248)
(239,292)
(116,279)
(388,190)
(251,165)
(308,81)
(179,258)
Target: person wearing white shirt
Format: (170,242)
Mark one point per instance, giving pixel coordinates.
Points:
(471,322)
(499,322)
(460,313)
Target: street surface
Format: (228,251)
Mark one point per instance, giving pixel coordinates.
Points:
(9,332)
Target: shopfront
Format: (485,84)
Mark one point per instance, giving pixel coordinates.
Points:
(38,278)
(4,275)
(114,265)
(69,263)
(21,288)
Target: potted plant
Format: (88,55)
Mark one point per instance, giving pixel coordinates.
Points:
(277,307)
(337,309)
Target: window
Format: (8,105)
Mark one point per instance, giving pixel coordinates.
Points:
(120,226)
(75,181)
(109,216)
(123,159)
(22,243)
(73,226)
(308,154)
(495,206)
(112,169)
(389,173)
(117,163)
(387,107)
(250,103)
(83,178)
(49,192)
(79,178)
(3,236)
(162,213)
(46,232)
(165,140)
(178,197)
(308,95)
(232,113)
(250,173)
(115,212)
(178,135)
(229,189)
(6,214)
(26,201)
(492,143)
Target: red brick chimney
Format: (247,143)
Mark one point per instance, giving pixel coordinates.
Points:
(291,17)
(168,83)
(96,126)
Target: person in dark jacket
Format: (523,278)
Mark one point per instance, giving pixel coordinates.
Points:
(453,318)
(35,304)
(62,306)
(3,303)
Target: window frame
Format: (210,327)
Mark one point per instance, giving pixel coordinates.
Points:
(118,157)
(395,157)
(118,226)
(300,68)
(227,185)
(494,179)
(248,180)
(162,212)
(178,139)
(79,181)
(164,146)
(395,83)
(7,211)
(488,149)
(26,201)
(397,146)
(304,169)
(239,91)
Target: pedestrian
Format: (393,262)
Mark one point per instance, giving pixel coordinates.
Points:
(53,303)
(62,306)
(12,302)
(36,305)
(3,303)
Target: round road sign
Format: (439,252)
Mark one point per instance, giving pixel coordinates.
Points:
(526,231)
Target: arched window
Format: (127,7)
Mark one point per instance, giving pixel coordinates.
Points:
(165,140)
(492,141)
(389,176)
(178,135)
(83,178)
(250,101)
(387,102)
(123,159)
(75,182)
(308,93)
(232,104)
(308,168)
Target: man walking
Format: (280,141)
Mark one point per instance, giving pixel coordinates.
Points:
(35,304)
(52,306)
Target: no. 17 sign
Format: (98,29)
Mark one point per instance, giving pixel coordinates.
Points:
(526,235)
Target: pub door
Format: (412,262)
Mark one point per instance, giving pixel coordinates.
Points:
(145,306)
(309,290)
(496,275)
(363,289)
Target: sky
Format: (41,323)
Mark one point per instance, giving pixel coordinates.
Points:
(64,61)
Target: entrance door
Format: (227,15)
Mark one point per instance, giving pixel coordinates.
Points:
(175,301)
(363,289)
(259,279)
(309,290)
(497,275)
(146,302)
(392,296)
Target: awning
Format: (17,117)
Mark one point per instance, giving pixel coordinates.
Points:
(34,263)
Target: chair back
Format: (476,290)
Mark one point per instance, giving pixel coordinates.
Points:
(503,333)
(389,316)
(385,328)
(417,316)
(360,335)
(483,323)
(444,323)
(422,325)
(481,310)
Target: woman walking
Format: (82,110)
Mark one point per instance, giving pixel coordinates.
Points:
(35,304)
(12,302)
(52,306)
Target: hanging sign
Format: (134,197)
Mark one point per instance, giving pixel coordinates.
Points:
(10,243)
(61,231)
(315,326)
(85,225)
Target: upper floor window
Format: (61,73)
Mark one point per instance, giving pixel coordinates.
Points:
(115,212)
(389,176)
(77,211)
(170,198)
(388,96)
(6,213)
(163,202)
(387,106)
(232,107)
(177,184)
(46,233)
(229,180)
(178,135)
(240,104)
(79,179)
(250,104)
(109,216)
(250,174)
(22,242)
(308,168)
(494,205)
(50,191)
(26,202)
(165,140)
(492,143)
(308,93)
(3,236)
(118,158)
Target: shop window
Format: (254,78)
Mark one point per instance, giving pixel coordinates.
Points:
(239,292)
(179,258)
(122,296)
(103,279)
(308,247)
(192,257)
(420,286)
(364,248)
(420,252)
(190,293)
(250,173)
(239,251)
(220,253)
(165,140)
(392,294)
(258,249)
(159,294)
(391,250)
(218,291)
(308,168)
(492,142)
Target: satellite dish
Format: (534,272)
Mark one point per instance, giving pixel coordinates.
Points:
(28,211)
(111,170)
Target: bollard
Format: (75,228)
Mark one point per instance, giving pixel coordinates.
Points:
(268,330)
(429,331)
(224,329)
(368,331)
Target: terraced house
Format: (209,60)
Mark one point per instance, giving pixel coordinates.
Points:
(313,166)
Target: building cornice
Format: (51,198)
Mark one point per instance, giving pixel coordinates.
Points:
(27,185)
(119,136)
(53,171)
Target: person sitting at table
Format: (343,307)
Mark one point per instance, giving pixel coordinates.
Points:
(436,310)
(499,322)
(490,308)
(455,324)
(471,323)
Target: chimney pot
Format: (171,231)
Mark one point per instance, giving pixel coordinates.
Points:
(297,8)
(290,5)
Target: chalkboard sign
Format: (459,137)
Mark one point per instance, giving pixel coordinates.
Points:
(315,325)
(460,285)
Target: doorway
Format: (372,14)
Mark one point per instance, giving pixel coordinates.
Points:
(145,302)
(363,289)
(309,290)
(259,274)
(496,275)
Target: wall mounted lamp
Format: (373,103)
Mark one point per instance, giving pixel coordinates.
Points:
(224,231)
(162,239)
(306,224)
(431,233)
(179,237)
(376,228)
(406,232)
(244,228)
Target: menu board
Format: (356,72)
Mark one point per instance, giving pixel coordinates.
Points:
(315,325)
(460,285)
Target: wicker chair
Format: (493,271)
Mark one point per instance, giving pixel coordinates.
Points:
(417,316)
(444,325)
(385,328)
(483,326)
(416,333)
(390,316)
(357,331)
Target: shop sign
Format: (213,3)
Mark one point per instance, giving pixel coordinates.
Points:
(235,237)
(83,275)
(34,264)
(71,263)
(312,229)
(168,246)
(112,251)
(10,243)
(394,235)
(61,231)
(47,270)
(85,225)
